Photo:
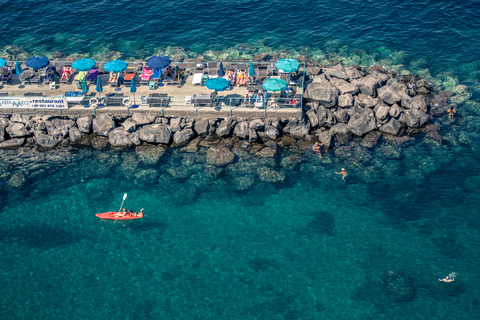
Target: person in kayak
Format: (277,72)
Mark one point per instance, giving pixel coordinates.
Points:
(130,213)
(139,214)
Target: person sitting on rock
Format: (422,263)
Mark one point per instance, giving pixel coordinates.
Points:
(343,173)
(451,112)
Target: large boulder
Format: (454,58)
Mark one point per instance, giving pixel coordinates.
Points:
(362,123)
(341,115)
(182,137)
(368,85)
(241,130)
(130,125)
(155,133)
(52,130)
(353,73)
(103,124)
(202,127)
(337,71)
(297,128)
(46,141)
(414,118)
(17,130)
(12,143)
(416,103)
(20,118)
(177,124)
(84,124)
(395,111)
(63,125)
(391,127)
(365,101)
(325,117)
(340,129)
(382,113)
(226,127)
(271,132)
(257,124)
(135,138)
(388,95)
(322,91)
(118,137)
(343,86)
(74,134)
(252,135)
(220,157)
(345,100)
(312,116)
(142,118)
(3,124)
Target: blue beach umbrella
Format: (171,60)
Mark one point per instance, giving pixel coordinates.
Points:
(287,65)
(217,84)
(274,84)
(115,66)
(83,64)
(251,72)
(38,62)
(158,62)
(18,68)
(2,62)
(221,71)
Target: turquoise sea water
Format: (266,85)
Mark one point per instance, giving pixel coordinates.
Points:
(290,240)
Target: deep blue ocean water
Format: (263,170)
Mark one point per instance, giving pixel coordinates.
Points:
(226,243)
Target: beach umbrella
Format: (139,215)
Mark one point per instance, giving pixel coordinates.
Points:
(158,62)
(274,84)
(83,64)
(37,62)
(84,86)
(287,65)
(2,62)
(221,71)
(217,84)
(133,89)
(115,66)
(251,72)
(18,68)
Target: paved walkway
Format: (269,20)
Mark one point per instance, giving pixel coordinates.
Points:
(177,106)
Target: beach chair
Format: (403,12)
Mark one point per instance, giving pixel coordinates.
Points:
(157,75)
(198,75)
(129,75)
(66,74)
(212,70)
(146,75)
(92,76)
(262,73)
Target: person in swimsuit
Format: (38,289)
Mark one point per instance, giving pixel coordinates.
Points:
(316,148)
(447,279)
(451,112)
(343,173)
(241,78)
(113,77)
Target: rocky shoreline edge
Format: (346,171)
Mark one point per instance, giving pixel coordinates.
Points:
(339,102)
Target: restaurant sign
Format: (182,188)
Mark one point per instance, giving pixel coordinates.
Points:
(33,103)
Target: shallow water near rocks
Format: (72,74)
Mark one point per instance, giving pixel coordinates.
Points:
(220,243)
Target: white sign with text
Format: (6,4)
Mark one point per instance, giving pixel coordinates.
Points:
(33,103)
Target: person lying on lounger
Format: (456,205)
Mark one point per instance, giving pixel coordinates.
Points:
(230,76)
(113,77)
(241,78)
(5,75)
(66,72)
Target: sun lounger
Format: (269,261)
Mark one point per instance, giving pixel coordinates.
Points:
(156,75)
(49,74)
(212,70)
(262,73)
(113,79)
(66,74)
(129,75)
(203,99)
(92,76)
(198,75)
(146,75)
(35,77)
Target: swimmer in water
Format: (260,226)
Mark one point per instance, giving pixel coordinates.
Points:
(343,173)
(451,112)
(447,279)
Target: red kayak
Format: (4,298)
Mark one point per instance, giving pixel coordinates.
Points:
(114,216)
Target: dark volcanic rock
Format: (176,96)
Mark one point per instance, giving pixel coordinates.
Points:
(17,130)
(220,157)
(362,123)
(297,128)
(12,143)
(241,130)
(391,127)
(103,124)
(202,127)
(322,91)
(182,137)
(155,133)
(226,127)
(118,137)
(45,141)
(84,124)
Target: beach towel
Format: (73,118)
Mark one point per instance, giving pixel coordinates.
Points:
(147,73)
(81,75)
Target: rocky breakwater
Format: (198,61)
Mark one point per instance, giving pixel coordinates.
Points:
(349,100)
